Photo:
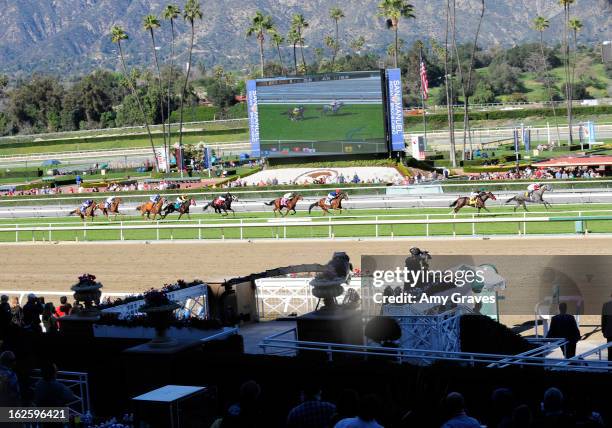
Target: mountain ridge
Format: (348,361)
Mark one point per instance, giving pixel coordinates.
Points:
(71,36)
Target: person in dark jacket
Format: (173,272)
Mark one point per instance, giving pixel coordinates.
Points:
(31,313)
(563,325)
(606,324)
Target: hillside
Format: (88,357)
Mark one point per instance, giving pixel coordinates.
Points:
(71,36)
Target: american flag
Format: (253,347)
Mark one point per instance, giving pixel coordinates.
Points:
(424,81)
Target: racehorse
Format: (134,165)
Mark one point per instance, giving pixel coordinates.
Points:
(536,198)
(151,208)
(332,108)
(336,203)
(90,211)
(479,202)
(290,205)
(224,206)
(113,209)
(182,209)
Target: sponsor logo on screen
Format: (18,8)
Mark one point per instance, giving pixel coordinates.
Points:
(253,117)
(396,111)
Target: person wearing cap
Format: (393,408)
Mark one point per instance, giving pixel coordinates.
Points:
(532,188)
(331,196)
(32,311)
(474,195)
(286,198)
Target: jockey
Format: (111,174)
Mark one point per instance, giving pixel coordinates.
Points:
(109,201)
(286,198)
(474,194)
(220,200)
(532,188)
(86,205)
(155,198)
(179,201)
(331,196)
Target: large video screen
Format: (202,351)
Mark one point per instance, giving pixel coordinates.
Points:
(318,115)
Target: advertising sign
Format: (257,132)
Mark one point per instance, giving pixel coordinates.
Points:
(253,117)
(417,142)
(162,159)
(396,111)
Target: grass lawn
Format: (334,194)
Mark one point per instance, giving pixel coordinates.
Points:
(355,121)
(217,231)
(217,137)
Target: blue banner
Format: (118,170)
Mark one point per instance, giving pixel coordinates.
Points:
(527,139)
(206,161)
(251,88)
(591,132)
(515,136)
(396,109)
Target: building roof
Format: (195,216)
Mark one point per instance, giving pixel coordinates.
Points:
(575,161)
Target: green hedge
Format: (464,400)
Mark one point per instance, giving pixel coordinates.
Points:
(440,119)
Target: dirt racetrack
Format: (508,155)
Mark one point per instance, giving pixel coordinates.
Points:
(133,267)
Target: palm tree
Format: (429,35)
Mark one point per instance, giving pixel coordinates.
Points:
(117,36)
(393,11)
(294,38)
(467,90)
(171,13)
(568,84)
(331,43)
(299,23)
(575,25)
(336,14)
(260,25)
(277,39)
(540,24)
(191,13)
(150,23)
(448,84)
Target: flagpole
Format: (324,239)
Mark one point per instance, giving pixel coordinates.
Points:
(422,95)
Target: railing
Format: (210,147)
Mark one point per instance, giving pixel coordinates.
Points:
(381,190)
(105,132)
(24,293)
(280,230)
(78,383)
(277,341)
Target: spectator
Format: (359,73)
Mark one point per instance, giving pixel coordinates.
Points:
(347,404)
(9,384)
(522,417)
(245,413)
(564,326)
(313,412)
(64,308)
(32,311)
(366,414)
(16,312)
(454,406)
(48,318)
(606,324)
(5,315)
(553,415)
(585,416)
(502,402)
(48,392)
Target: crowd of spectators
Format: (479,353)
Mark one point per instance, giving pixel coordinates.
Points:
(354,410)
(565,173)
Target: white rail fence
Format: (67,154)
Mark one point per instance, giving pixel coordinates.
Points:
(280,229)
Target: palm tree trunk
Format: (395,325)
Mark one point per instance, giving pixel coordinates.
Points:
(548,88)
(161,89)
(295,59)
(302,50)
(185,90)
(336,47)
(568,83)
(459,68)
(280,59)
(167,148)
(449,92)
(261,55)
(142,112)
(396,46)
